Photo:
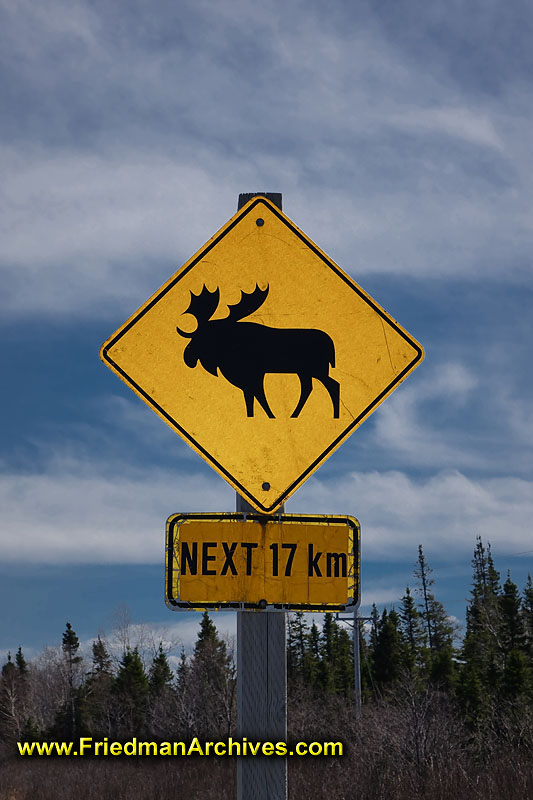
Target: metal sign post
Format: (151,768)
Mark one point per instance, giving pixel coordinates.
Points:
(261,697)
(261,681)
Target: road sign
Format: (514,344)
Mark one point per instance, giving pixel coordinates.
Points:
(262,354)
(238,560)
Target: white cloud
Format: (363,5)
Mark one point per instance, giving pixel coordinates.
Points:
(459,122)
(404,426)
(91,512)
(443,512)
(373,592)
(80,513)
(132,154)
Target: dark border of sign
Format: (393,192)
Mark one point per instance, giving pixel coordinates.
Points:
(175,521)
(208,457)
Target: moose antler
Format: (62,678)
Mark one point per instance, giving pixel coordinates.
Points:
(202,307)
(248,303)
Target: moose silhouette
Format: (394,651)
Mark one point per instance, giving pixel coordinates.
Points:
(244,352)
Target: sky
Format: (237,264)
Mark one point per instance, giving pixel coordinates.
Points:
(399,134)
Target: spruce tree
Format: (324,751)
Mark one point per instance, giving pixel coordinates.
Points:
(20,661)
(437,625)
(527,615)
(101,658)
(8,700)
(160,677)
(131,691)
(326,671)
(211,688)
(413,633)
(183,672)
(516,676)
(311,659)
(423,574)
(297,641)
(388,655)
(513,635)
(482,642)
(67,719)
(98,696)
(343,663)
(14,690)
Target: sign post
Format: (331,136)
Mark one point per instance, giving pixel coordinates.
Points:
(261,697)
(261,684)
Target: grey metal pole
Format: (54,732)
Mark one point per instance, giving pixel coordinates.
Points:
(261,682)
(261,698)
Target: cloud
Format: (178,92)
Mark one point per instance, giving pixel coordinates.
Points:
(460,122)
(127,139)
(79,513)
(89,512)
(406,426)
(444,512)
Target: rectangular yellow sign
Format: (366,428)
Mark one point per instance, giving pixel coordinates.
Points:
(287,561)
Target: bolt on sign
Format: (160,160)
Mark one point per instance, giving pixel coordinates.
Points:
(238,560)
(262,354)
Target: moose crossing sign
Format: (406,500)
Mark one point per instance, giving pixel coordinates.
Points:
(289,561)
(262,354)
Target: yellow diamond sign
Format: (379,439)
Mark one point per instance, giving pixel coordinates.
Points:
(262,354)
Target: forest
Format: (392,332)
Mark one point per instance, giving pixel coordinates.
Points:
(445,714)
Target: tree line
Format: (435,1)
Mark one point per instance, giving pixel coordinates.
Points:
(431,700)
(417,641)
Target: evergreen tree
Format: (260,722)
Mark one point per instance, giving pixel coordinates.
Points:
(67,723)
(20,661)
(211,688)
(527,614)
(131,692)
(311,658)
(388,655)
(374,627)
(413,632)
(8,699)
(343,663)
(101,658)
(70,648)
(297,641)
(9,668)
(13,695)
(160,677)
(482,642)
(333,663)
(183,673)
(516,679)
(471,695)
(165,707)
(513,635)
(326,674)
(437,625)
(98,696)
(30,731)
(423,574)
